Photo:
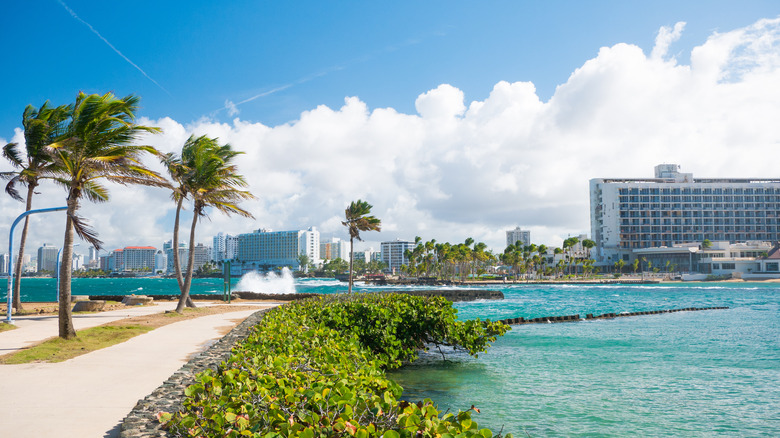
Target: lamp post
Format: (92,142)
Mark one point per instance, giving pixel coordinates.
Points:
(9,309)
(58,271)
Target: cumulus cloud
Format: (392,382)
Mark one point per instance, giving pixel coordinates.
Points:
(459,169)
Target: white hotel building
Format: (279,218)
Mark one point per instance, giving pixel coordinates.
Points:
(675,208)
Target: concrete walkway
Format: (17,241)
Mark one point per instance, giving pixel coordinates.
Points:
(88,396)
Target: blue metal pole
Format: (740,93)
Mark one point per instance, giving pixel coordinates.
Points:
(9,309)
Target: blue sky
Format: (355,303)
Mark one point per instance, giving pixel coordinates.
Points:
(205,53)
(506,107)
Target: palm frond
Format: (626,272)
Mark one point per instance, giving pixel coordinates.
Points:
(12,153)
(85,232)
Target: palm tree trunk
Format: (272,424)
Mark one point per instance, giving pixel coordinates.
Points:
(18,268)
(176,260)
(185,293)
(175,244)
(351,256)
(66,329)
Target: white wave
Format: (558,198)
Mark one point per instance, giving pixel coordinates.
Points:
(270,283)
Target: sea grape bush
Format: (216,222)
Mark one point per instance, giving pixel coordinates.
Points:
(315,368)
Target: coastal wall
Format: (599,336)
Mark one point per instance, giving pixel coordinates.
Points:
(142,422)
(590,316)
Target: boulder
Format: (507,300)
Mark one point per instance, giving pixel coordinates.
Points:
(75,298)
(89,306)
(137,300)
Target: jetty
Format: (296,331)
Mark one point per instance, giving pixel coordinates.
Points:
(590,316)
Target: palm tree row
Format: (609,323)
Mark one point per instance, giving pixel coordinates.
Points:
(446,260)
(83,145)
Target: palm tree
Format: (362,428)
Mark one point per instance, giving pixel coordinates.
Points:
(41,127)
(97,144)
(205,173)
(357,220)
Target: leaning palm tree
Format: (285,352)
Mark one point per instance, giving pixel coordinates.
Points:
(206,174)
(96,145)
(357,220)
(41,127)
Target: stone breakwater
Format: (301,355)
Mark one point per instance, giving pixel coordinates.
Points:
(590,316)
(142,422)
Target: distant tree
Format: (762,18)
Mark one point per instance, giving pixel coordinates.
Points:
(97,145)
(42,126)
(635,265)
(358,219)
(303,263)
(706,244)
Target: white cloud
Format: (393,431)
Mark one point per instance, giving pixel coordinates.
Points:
(666,36)
(458,169)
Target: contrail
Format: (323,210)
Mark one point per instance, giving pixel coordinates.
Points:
(73,14)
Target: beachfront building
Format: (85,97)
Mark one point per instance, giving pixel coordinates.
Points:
(224,247)
(47,258)
(264,249)
(3,264)
(334,249)
(139,258)
(518,235)
(674,208)
(184,256)
(368,255)
(393,254)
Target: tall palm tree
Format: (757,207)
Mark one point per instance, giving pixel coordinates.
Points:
(357,220)
(206,174)
(96,145)
(41,127)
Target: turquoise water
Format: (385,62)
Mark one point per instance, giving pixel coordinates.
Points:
(45,289)
(707,373)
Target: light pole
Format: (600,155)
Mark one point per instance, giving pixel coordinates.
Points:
(58,271)
(9,310)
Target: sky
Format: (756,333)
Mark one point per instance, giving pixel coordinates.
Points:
(454,119)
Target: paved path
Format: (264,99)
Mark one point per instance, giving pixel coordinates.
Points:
(88,396)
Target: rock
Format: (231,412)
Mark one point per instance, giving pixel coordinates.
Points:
(75,298)
(89,306)
(137,300)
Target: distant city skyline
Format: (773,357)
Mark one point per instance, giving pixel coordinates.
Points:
(467,121)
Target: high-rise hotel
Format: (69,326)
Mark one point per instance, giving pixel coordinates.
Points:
(674,208)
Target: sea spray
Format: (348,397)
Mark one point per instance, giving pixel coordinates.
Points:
(270,283)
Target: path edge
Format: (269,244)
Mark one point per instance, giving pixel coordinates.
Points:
(142,422)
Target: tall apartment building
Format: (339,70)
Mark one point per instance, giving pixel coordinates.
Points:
(264,249)
(674,208)
(47,258)
(393,253)
(518,235)
(139,258)
(224,247)
(4,263)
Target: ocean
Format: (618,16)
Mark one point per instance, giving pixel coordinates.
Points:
(701,374)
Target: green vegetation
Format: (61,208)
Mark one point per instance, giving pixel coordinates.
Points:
(5,327)
(91,339)
(315,368)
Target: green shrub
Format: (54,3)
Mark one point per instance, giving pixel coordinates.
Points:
(315,368)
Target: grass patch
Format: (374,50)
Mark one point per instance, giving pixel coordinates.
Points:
(5,327)
(88,340)
(187,311)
